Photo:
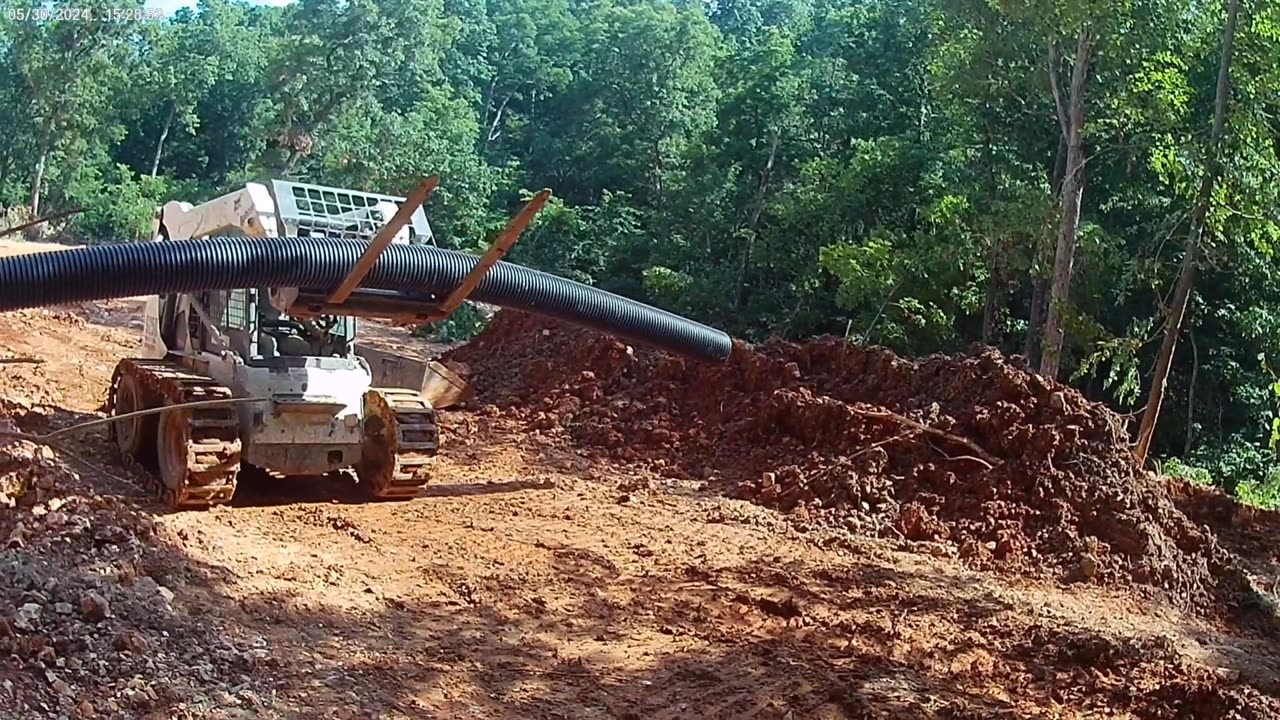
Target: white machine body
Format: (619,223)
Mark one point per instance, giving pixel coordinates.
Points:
(310,381)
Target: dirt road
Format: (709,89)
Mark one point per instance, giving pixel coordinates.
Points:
(535,580)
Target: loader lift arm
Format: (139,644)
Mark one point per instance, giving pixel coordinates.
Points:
(499,247)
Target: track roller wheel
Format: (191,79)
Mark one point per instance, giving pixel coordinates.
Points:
(134,437)
(400,438)
(174,449)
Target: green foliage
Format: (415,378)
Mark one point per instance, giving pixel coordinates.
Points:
(1264,494)
(668,286)
(1252,480)
(465,323)
(1121,355)
(120,205)
(578,242)
(865,272)
(1175,468)
(773,167)
(1240,467)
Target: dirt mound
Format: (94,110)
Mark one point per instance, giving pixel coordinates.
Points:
(972,453)
(1147,676)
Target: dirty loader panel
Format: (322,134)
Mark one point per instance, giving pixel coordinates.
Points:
(193,454)
(400,439)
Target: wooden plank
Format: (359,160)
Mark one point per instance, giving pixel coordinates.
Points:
(496,250)
(383,239)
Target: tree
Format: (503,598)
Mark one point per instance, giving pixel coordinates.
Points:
(1071,117)
(183,65)
(643,91)
(69,70)
(1186,277)
(900,172)
(341,50)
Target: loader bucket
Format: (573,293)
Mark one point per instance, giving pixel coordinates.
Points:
(440,385)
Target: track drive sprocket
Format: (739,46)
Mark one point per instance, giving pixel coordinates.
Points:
(400,439)
(191,455)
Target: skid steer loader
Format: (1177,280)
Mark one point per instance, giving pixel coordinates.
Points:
(303,399)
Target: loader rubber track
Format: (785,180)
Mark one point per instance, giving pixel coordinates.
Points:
(395,464)
(198,449)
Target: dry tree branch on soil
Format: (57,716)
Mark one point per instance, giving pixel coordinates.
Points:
(982,455)
(874,445)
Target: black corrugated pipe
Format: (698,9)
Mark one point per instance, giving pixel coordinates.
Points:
(103,272)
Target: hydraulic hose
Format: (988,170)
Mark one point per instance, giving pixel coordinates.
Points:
(122,270)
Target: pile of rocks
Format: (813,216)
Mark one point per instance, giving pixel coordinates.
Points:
(99,611)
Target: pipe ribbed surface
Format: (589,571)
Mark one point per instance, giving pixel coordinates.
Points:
(103,272)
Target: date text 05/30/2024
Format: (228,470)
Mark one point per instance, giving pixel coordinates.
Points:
(73,14)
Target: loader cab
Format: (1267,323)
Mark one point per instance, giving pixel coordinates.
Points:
(307,210)
(260,333)
(245,323)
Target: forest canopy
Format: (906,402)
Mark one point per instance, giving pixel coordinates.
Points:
(919,174)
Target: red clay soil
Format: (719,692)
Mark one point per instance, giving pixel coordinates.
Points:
(804,428)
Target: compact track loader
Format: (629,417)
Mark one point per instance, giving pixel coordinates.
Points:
(307,405)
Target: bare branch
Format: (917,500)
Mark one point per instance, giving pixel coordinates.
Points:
(978,460)
(138,413)
(1080,69)
(54,439)
(875,445)
(38,221)
(1055,61)
(987,457)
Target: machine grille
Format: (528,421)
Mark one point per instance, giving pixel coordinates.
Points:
(318,211)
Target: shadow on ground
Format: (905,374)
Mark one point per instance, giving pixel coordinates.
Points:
(258,488)
(742,642)
(586,636)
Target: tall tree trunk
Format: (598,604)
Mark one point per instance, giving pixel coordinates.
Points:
(991,308)
(1191,395)
(1035,322)
(1187,275)
(292,161)
(753,223)
(164,135)
(1072,188)
(1040,285)
(991,305)
(37,182)
(6,165)
(493,132)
